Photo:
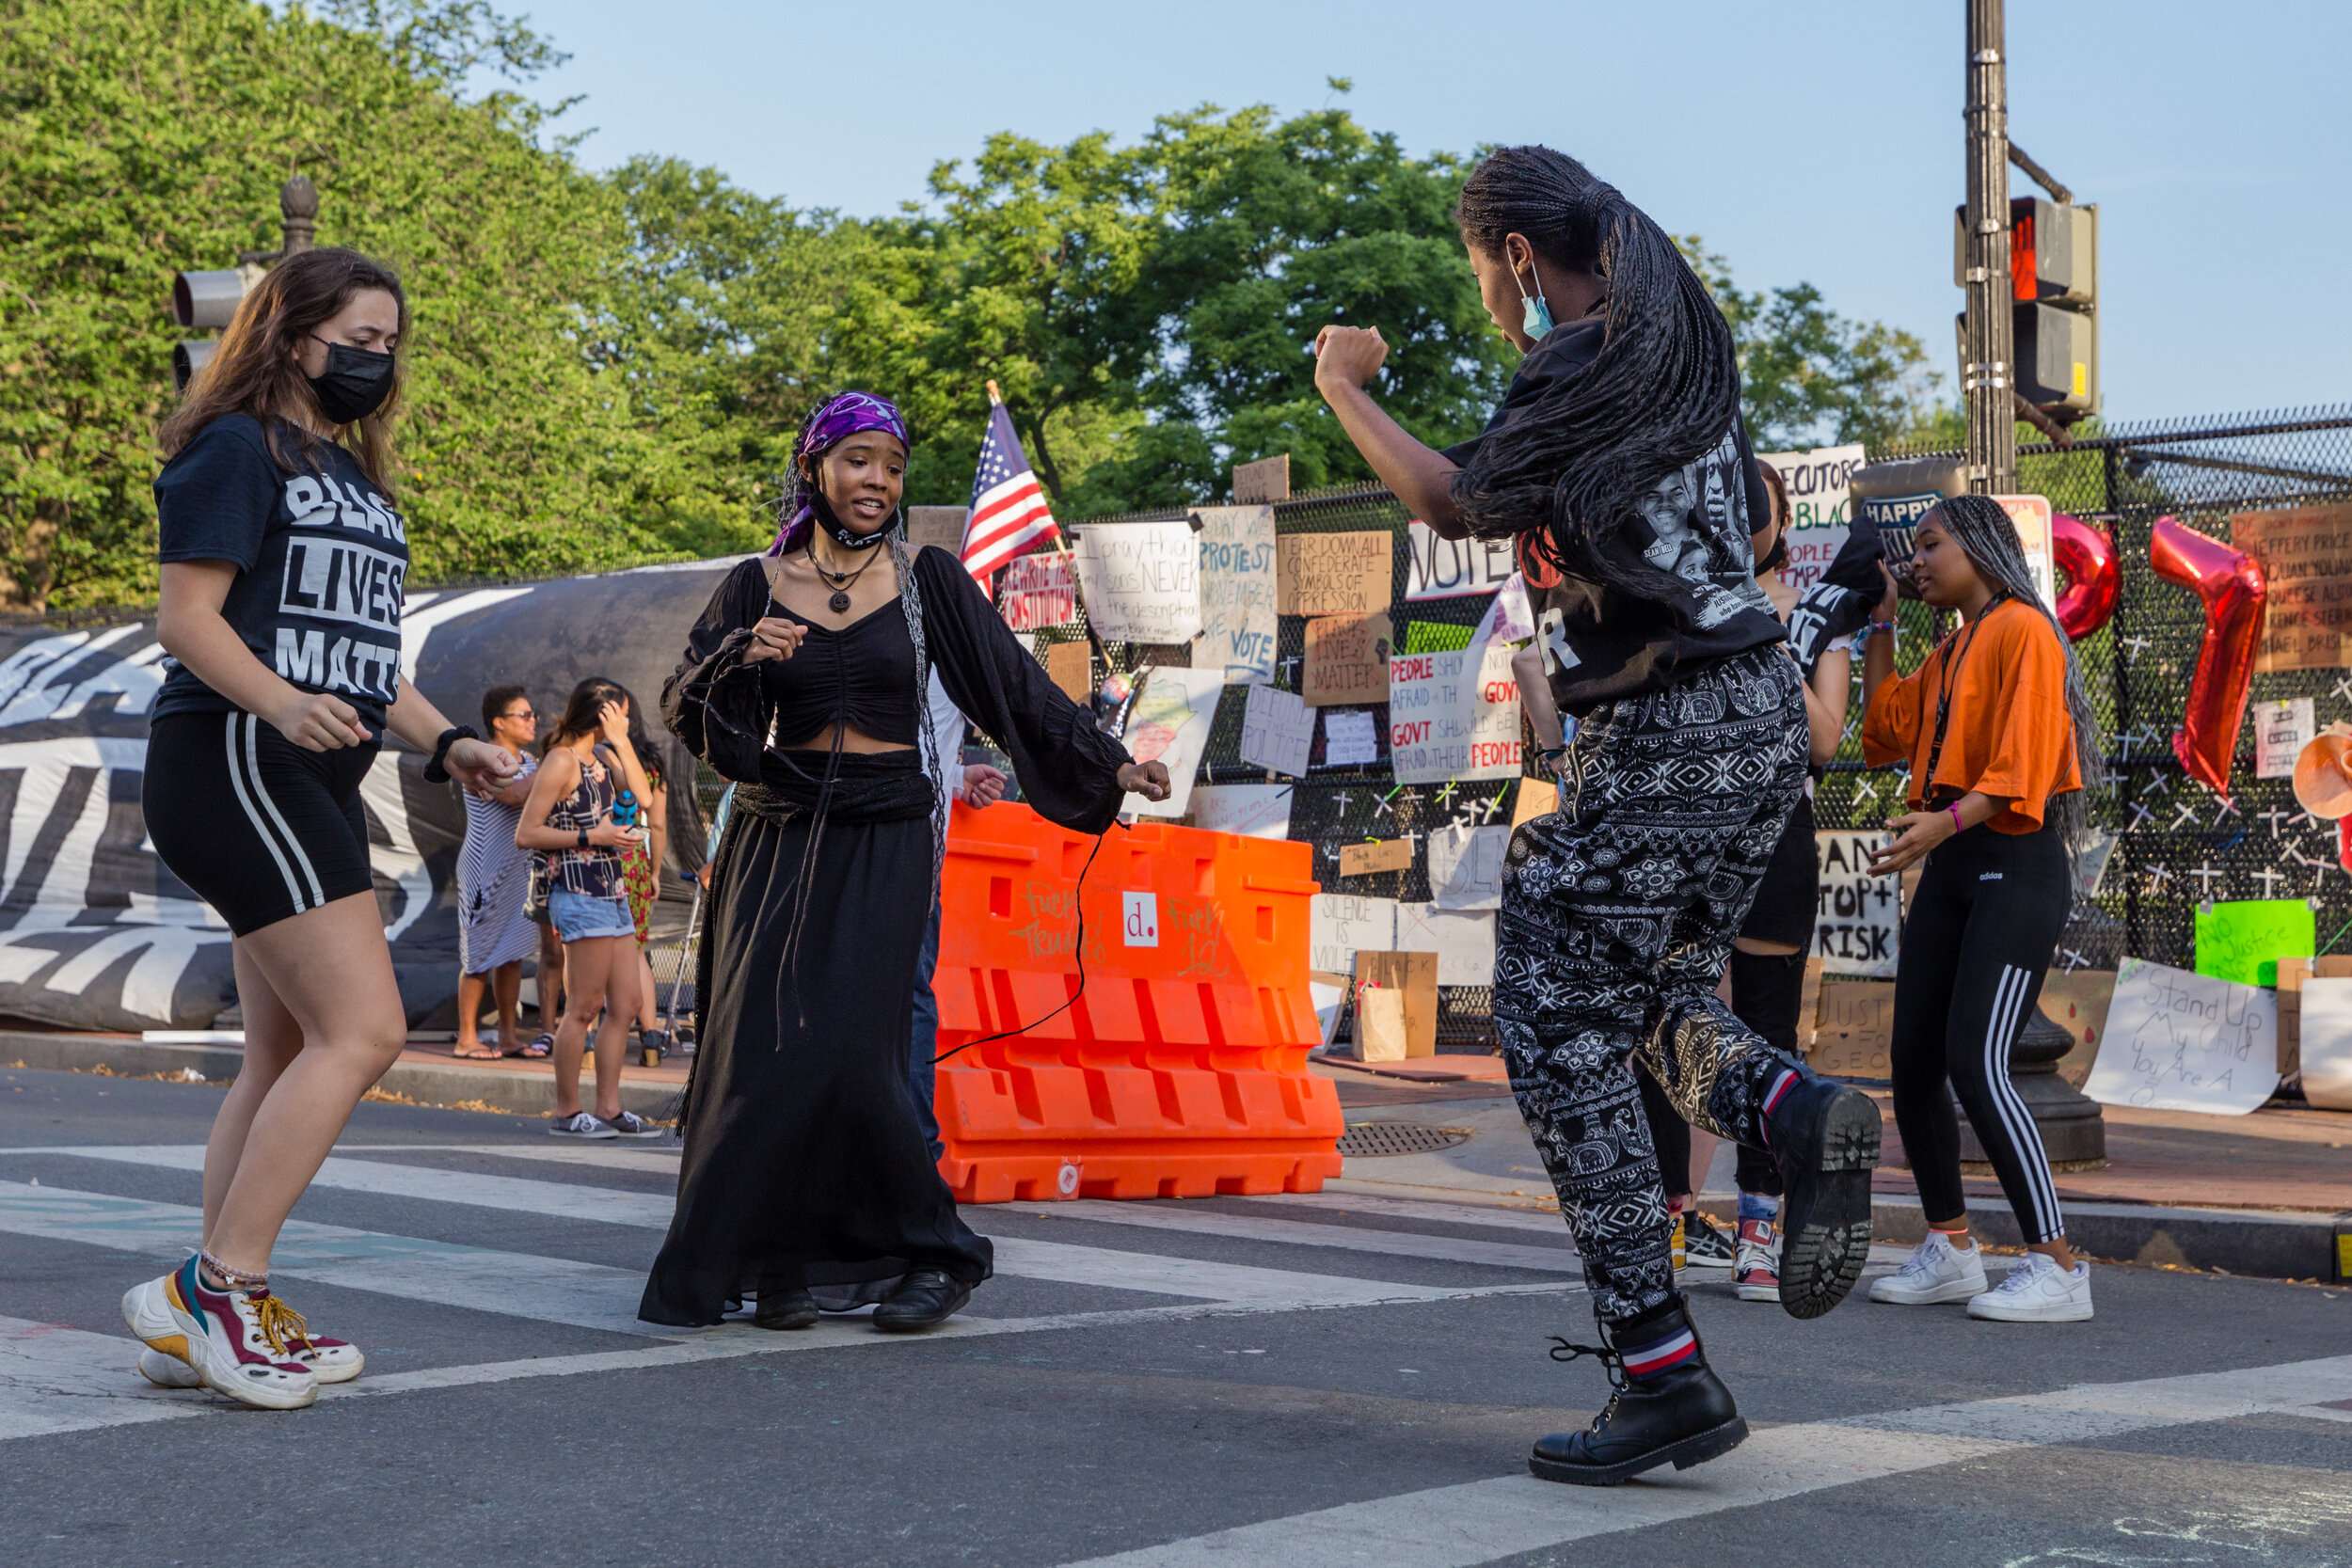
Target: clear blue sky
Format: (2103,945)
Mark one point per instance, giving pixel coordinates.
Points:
(1818,142)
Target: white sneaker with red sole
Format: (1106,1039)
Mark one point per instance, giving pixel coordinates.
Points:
(1756,1276)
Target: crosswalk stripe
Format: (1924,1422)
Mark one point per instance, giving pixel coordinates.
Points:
(1484,1521)
(1396,1243)
(1541,1222)
(55,1380)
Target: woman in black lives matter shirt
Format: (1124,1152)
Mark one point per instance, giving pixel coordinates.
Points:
(1619,466)
(283,563)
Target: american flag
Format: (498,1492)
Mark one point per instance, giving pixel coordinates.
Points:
(1008,511)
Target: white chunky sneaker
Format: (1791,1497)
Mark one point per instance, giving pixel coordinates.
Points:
(2037,1292)
(234,1340)
(1937,1271)
(330,1360)
(167,1371)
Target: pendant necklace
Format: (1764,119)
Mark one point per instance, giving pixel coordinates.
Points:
(842,581)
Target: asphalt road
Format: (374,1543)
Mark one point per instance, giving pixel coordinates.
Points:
(1305,1381)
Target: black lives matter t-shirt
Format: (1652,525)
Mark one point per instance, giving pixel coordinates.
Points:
(1603,641)
(321,560)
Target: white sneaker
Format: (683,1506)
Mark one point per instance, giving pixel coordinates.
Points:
(235,1341)
(2037,1292)
(167,1371)
(1937,1271)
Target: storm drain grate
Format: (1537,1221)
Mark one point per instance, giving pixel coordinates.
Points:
(1369,1138)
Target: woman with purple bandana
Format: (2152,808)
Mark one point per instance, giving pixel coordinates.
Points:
(807,1183)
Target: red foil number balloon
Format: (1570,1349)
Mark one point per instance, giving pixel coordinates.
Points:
(2231,582)
(2093,575)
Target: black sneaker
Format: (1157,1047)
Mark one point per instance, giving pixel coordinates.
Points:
(1669,1408)
(1825,1137)
(629,1124)
(1704,1246)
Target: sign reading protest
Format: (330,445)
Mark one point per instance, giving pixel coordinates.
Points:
(2306,554)
(1333,574)
(1035,591)
(1236,592)
(1449,568)
(1276,731)
(1141,581)
(1858,928)
(1818,507)
(2178,1041)
(1347,660)
(1449,719)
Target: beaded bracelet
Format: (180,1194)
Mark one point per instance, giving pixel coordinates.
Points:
(1886,626)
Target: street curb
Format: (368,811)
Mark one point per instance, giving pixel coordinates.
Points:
(455,1083)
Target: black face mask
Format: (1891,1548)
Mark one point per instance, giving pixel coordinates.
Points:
(842,534)
(356,383)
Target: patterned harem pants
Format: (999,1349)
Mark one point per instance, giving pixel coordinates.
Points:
(1617,919)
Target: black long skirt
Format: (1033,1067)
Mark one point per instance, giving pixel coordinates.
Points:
(805,1164)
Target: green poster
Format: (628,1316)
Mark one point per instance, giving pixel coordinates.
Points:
(2245,940)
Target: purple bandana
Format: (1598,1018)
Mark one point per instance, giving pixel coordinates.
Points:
(836,421)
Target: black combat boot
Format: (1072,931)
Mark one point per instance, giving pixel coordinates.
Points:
(1669,1408)
(794,1309)
(1825,1137)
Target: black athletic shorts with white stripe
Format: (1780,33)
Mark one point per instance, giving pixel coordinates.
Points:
(256,826)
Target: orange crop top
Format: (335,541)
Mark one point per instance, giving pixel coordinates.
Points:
(2008,736)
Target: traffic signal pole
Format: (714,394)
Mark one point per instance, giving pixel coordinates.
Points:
(1987,372)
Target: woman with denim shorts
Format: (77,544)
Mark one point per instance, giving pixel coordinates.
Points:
(570,813)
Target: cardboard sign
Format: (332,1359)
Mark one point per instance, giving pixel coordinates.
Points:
(937,525)
(2178,1041)
(1236,545)
(1276,731)
(1536,798)
(1263,483)
(1253,811)
(1447,568)
(2281,730)
(2306,555)
(1415,975)
(1170,723)
(1333,574)
(1853,1024)
(1379,854)
(2245,939)
(2031,516)
(1858,928)
(1036,590)
(1450,718)
(1141,581)
(1339,926)
(1465,866)
(1070,666)
(1349,737)
(1818,507)
(1463,941)
(1347,660)
(2326,1043)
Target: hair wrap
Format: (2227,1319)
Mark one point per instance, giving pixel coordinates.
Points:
(835,420)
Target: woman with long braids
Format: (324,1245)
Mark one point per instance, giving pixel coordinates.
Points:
(2002,744)
(1618,465)
(283,561)
(806,1181)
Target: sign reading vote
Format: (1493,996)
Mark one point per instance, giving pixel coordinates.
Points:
(1236,592)
(1858,928)
(1449,568)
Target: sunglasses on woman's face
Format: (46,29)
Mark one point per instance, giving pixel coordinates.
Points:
(524,714)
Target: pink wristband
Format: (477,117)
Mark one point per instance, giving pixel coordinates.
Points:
(1958,826)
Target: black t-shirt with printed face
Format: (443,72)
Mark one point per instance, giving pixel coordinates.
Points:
(321,560)
(1604,640)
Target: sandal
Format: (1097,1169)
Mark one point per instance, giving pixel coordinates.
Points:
(543,1046)
(479,1054)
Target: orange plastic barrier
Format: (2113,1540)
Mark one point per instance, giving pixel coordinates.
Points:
(1181,1070)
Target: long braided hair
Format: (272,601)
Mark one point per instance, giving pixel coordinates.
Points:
(1661,393)
(1983,531)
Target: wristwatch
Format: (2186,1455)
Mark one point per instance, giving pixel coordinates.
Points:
(583,838)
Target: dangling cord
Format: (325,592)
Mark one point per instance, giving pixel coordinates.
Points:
(1081,950)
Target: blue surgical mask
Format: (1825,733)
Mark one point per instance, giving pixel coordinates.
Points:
(1536,322)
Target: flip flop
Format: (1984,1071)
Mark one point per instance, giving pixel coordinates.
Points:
(480,1054)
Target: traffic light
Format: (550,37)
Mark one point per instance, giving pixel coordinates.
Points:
(209,299)
(2054,287)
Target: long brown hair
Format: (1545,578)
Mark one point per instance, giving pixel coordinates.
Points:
(582,713)
(253,370)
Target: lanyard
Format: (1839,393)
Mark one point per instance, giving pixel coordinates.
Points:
(1945,677)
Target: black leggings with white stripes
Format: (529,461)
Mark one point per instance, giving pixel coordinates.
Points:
(1983,924)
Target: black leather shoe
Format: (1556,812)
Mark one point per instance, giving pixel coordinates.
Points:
(1825,1137)
(925,1299)
(784,1309)
(1681,1416)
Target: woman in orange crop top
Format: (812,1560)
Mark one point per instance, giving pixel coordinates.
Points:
(2000,740)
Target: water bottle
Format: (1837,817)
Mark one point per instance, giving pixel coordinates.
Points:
(625,808)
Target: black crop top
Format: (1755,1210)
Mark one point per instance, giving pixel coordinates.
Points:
(862,677)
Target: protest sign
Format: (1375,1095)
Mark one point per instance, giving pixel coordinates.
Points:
(1447,568)
(1349,737)
(2281,730)
(1035,591)
(1463,940)
(1858,928)
(1818,507)
(1070,666)
(1333,574)
(1508,618)
(1236,545)
(2030,515)
(1375,854)
(1341,926)
(2178,1041)
(1347,660)
(1253,811)
(1277,729)
(2244,939)
(2327,1046)
(1141,581)
(2306,556)
(1170,723)
(1465,866)
(1449,719)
